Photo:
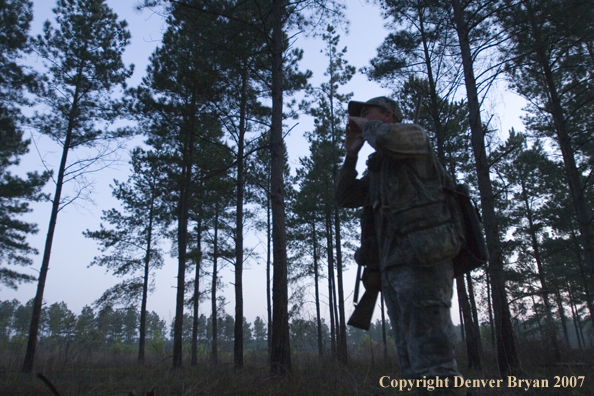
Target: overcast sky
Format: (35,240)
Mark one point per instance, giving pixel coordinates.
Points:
(70,280)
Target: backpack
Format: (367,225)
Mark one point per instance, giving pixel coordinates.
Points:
(474,251)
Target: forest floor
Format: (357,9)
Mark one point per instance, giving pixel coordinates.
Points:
(118,375)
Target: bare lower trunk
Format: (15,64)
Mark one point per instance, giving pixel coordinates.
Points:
(182,243)
(268,288)
(147,260)
(38,301)
(384,337)
(472,350)
(214,318)
(342,352)
(475,318)
(331,300)
(576,320)
(490,307)
(561,310)
(196,304)
(507,355)
(238,343)
(317,291)
(196,301)
(280,357)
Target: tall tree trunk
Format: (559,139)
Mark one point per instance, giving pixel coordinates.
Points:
(336,322)
(213,292)
(384,337)
(280,358)
(551,333)
(562,316)
(342,352)
(507,355)
(238,343)
(147,260)
(575,319)
(583,274)
(38,301)
(490,307)
(472,350)
(331,302)
(543,334)
(268,288)
(317,290)
(196,300)
(475,317)
(182,243)
(461,315)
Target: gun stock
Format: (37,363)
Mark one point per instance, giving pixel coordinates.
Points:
(361,317)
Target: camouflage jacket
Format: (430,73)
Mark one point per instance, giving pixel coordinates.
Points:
(415,222)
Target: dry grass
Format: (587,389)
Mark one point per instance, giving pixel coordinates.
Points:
(112,375)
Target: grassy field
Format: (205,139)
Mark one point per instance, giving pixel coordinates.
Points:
(112,374)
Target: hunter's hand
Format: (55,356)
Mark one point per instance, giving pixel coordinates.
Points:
(354,138)
(358,122)
(372,280)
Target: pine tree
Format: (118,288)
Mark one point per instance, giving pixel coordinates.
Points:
(272,21)
(131,247)
(244,61)
(529,173)
(83,56)
(416,53)
(15,192)
(328,106)
(550,52)
(474,20)
(176,106)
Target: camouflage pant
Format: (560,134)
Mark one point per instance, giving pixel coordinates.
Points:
(418,301)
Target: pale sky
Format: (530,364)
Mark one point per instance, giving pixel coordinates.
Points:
(70,280)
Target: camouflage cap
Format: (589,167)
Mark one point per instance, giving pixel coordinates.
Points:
(381,101)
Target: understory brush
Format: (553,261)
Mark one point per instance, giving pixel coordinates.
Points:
(117,373)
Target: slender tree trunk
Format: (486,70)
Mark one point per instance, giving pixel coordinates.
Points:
(331,302)
(575,319)
(317,290)
(489,300)
(238,343)
(551,333)
(336,322)
(215,259)
(280,358)
(182,243)
(38,301)
(507,355)
(461,315)
(543,334)
(268,288)
(196,301)
(583,274)
(561,310)
(147,260)
(342,341)
(475,317)
(474,359)
(342,353)
(384,337)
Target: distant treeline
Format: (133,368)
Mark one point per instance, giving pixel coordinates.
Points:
(116,330)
